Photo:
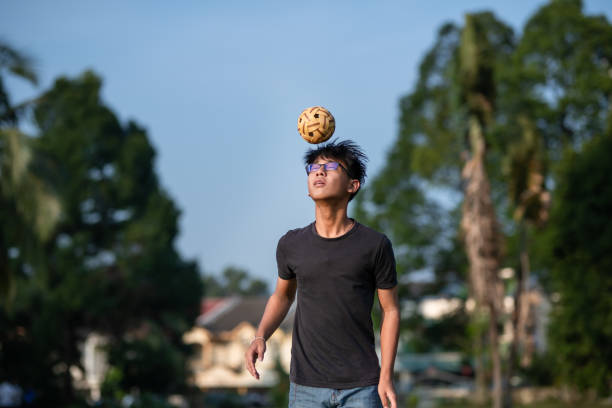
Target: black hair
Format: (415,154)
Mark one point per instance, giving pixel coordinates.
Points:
(346,151)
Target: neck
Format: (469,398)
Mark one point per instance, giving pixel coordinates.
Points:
(332,220)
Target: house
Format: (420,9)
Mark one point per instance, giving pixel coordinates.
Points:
(533,314)
(220,336)
(94,362)
(222,333)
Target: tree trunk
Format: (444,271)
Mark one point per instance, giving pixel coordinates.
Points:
(519,313)
(482,241)
(480,367)
(524,299)
(498,388)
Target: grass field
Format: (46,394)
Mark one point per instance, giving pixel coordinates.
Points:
(543,404)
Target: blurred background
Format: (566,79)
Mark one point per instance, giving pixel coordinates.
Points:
(150,161)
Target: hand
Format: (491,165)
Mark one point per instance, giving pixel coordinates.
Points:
(255,350)
(386,392)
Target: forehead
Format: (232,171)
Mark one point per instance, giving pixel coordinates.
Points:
(326,159)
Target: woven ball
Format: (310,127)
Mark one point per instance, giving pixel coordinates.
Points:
(316,124)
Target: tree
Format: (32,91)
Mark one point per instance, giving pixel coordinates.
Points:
(19,65)
(234,281)
(580,239)
(111,266)
(520,106)
(555,94)
(561,76)
(558,88)
(477,62)
(446,121)
(29,207)
(526,171)
(398,200)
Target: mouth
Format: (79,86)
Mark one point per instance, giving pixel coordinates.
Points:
(318,183)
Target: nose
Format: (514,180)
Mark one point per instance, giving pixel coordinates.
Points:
(321,171)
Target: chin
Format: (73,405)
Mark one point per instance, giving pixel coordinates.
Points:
(325,197)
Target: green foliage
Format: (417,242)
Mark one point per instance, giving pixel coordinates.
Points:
(541,94)
(412,401)
(542,371)
(456,79)
(111,386)
(223,400)
(561,74)
(150,400)
(427,155)
(425,336)
(279,394)
(110,265)
(580,239)
(452,403)
(148,361)
(140,400)
(30,209)
(19,65)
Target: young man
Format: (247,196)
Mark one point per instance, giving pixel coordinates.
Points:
(335,264)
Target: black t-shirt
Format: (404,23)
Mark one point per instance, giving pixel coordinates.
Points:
(333,339)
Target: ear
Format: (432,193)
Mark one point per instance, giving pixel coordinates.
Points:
(353,186)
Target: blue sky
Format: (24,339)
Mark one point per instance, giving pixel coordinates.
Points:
(219,86)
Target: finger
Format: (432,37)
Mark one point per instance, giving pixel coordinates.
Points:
(250,362)
(383,399)
(255,373)
(393,400)
(247,358)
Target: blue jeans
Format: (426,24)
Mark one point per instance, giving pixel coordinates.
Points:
(301,396)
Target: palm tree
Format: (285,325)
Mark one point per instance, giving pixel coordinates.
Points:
(21,66)
(525,169)
(444,122)
(480,228)
(28,208)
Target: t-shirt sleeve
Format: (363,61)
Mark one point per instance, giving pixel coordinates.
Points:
(384,265)
(284,271)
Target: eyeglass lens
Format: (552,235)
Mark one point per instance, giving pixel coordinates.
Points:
(326,166)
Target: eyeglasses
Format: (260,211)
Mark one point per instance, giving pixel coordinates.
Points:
(326,166)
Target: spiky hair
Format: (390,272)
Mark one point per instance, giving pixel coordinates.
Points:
(346,151)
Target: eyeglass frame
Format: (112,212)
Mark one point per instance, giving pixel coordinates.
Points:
(324,165)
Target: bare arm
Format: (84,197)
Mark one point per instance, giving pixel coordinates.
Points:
(276,309)
(389,333)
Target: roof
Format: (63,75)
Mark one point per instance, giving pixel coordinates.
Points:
(224,314)
(209,304)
